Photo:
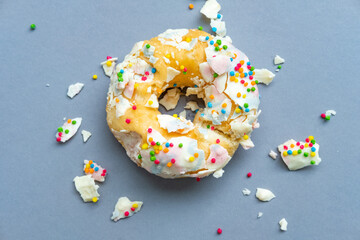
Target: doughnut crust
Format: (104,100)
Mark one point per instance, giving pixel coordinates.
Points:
(207,66)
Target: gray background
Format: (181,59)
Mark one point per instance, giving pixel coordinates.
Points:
(320,42)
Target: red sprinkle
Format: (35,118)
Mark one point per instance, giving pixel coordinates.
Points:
(213,160)
(198,179)
(298,144)
(127,121)
(251,77)
(104,171)
(149,130)
(307,140)
(302,147)
(143,78)
(310,144)
(185,69)
(58,139)
(171,144)
(248,66)
(239,65)
(157,161)
(60,134)
(153,143)
(217,140)
(103,174)
(126,213)
(134,107)
(132,209)
(249,174)
(108,57)
(323,115)
(173,160)
(212,127)
(146,73)
(242,81)
(219,231)
(285,147)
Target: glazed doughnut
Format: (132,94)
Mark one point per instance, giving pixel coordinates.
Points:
(192,60)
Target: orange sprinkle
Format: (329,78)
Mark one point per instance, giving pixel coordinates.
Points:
(166,150)
(232,78)
(253,83)
(241,70)
(242,62)
(253,73)
(169,164)
(191,6)
(216,45)
(235,55)
(212,96)
(90,162)
(150,139)
(196,155)
(117,100)
(292,145)
(224,105)
(157,151)
(212,112)
(245,84)
(86,170)
(238,94)
(69,120)
(91,170)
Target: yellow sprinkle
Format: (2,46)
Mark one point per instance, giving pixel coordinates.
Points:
(246,137)
(160,148)
(136,85)
(236,80)
(311,138)
(294,153)
(237,110)
(108,63)
(306,145)
(167,55)
(94,77)
(237,74)
(188,39)
(130,64)
(95,199)
(135,205)
(145,146)
(312,154)
(285,153)
(87,165)
(156,147)
(244,96)
(182,67)
(150,102)
(169,164)
(191,159)
(175,115)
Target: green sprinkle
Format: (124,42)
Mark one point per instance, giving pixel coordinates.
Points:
(200,27)
(248,89)
(225,47)
(252,69)
(158,143)
(313,141)
(306,154)
(32,26)
(152,153)
(181,145)
(60,129)
(279,67)
(256,81)
(73,122)
(312,162)
(139,156)
(218,42)
(67,131)
(147,45)
(217,48)
(327,117)
(246,105)
(299,151)
(216,75)
(253,89)
(153,158)
(184,72)
(120,79)
(208,126)
(119,74)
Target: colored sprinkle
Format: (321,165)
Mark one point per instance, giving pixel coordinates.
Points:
(73,122)
(134,107)
(200,28)
(217,140)
(126,213)
(198,179)
(58,139)
(306,154)
(147,45)
(327,117)
(219,231)
(94,77)
(135,205)
(246,137)
(108,63)
(312,154)
(108,57)
(249,174)
(157,161)
(60,129)
(312,162)
(216,75)
(139,156)
(279,67)
(213,160)
(207,38)
(67,131)
(144,146)
(181,145)
(96,169)
(225,47)
(169,164)
(32,26)
(218,16)
(95,199)
(214,29)
(127,120)
(191,159)
(211,42)
(209,104)
(191,6)
(218,42)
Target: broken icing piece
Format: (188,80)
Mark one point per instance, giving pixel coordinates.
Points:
(278,60)
(218,27)
(259,215)
(192,105)
(283,224)
(246,192)
(171,98)
(109,66)
(297,155)
(152,102)
(219,173)
(273,154)
(219,64)
(264,76)
(211,9)
(94,170)
(87,188)
(264,195)
(125,208)
(327,114)
(86,135)
(182,114)
(171,73)
(68,130)
(74,89)
(174,124)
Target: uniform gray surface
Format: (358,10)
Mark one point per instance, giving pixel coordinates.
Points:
(318,39)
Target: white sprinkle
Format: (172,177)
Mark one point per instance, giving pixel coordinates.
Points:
(273,154)
(246,192)
(74,89)
(86,135)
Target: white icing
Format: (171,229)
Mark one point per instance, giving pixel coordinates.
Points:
(283,224)
(214,113)
(264,76)
(174,34)
(264,195)
(278,60)
(122,106)
(219,63)
(98,174)
(220,27)
(73,128)
(86,135)
(87,188)
(211,9)
(206,72)
(173,124)
(74,89)
(123,206)
(108,70)
(220,82)
(154,99)
(330,112)
(273,154)
(171,73)
(219,173)
(246,192)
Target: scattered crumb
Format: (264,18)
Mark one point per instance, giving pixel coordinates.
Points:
(109,65)
(211,9)
(47,85)
(87,188)
(278,60)
(264,76)
(86,135)
(74,89)
(218,173)
(64,118)
(192,105)
(283,224)
(259,215)
(273,154)
(171,98)
(246,192)
(125,208)
(264,195)
(68,129)
(183,114)
(94,170)
(330,112)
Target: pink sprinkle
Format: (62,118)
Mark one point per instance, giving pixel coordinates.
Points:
(323,115)
(173,160)
(307,140)
(157,161)
(236,68)
(104,171)
(285,147)
(251,77)
(103,174)
(298,144)
(58,139)
(127,121)
(310,144)
(217,140)
(213,160)
(132,209)
(198,179)
(239,65)
(134,107)
(149,130)
(143,78)
(249,174)
(219,231)
(171,144)
(126,213)
(212,127)
(147,73)
(249,67)
(185,69)
(60,134)
(302,147)
(153,143)
(242,81)
(108,57)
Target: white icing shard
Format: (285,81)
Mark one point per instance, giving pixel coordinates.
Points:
(125,208)
(174,34)
(148,52)
(220,27)
(220,82)
(206,72)
(219,64)
(182,114)
(246,192)
(171,73)
(259,215)
(297,155)
(278,60)
(109,66)
(173,124)
(283,224)
(68,129)
(152,102)
(192,105)
(87,188)
(211,9)
(94,170)
(264,76)
(219,173)
(171,98)
(264,195)
(74,89)
(330,112)
(122,106)
(273,154)
(86,135)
